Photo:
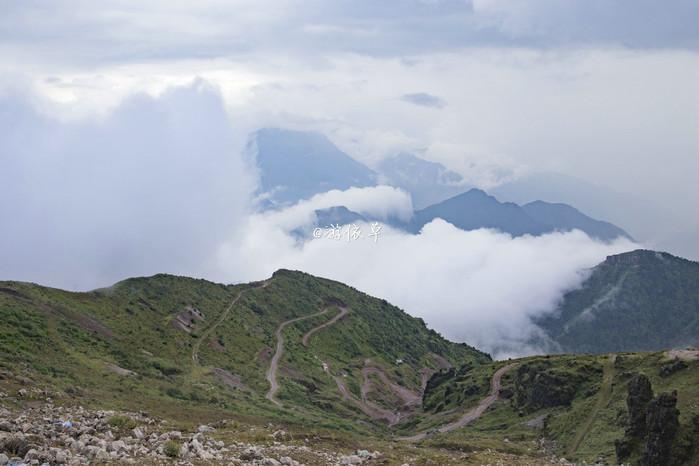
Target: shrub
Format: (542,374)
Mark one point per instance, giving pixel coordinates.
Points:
(121,422)
(15,446)
(172,449)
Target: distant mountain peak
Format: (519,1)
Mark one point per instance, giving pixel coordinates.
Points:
(475,209)
(428,182)
(295,165)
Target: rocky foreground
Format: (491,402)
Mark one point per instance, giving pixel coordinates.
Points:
(57,435)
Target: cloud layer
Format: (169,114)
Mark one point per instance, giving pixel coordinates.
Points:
(116,32)
(153,187)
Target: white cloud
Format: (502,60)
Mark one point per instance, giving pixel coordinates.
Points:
(153,187)
(482,287)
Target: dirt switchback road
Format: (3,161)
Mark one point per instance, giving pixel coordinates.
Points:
(472,414)
(273,366)
(307,336)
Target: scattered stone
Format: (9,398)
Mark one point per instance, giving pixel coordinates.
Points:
(351,459)
(37,436)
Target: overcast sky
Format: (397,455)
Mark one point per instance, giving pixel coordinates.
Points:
(604,90)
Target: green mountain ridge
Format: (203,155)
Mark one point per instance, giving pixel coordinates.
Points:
(188,344)
(636,301)
(353,371)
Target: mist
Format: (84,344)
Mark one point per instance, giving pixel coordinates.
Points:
(152,187)
(482,287)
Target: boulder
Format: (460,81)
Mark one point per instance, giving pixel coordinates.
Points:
(640,393)
(662,424)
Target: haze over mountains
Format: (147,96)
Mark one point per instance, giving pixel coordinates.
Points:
(659,225)
(427,182)
(296,165)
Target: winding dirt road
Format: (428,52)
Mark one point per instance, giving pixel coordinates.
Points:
(603,397)
(307,336)
(204,336)
(274,364)
(372,410)
(472,414)
(409,397)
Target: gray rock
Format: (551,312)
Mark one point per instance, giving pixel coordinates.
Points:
(61,457)
(351,459)
(117,445)
(4,459)
(250,453)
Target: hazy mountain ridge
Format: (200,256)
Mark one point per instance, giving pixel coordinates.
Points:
(475,209)
(563,217)
(296,165)
(427,182)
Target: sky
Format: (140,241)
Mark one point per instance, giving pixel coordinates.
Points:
(122,126)
(603,90)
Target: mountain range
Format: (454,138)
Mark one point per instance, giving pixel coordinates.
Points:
(295,165)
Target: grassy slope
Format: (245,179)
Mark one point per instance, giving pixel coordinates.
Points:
(584,429)
(636,301)
(65,340)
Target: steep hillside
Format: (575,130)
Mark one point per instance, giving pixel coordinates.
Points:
(174,344)
(636,301)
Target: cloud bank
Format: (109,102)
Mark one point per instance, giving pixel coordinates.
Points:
(482,287)
(153,187)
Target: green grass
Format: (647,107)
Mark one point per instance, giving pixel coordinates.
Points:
(74,341)
(66,342)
